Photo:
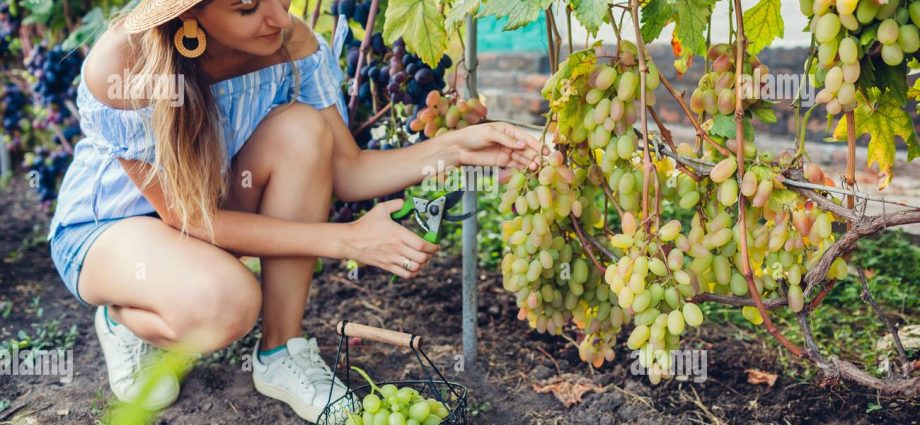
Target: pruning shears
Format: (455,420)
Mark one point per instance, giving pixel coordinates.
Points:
(431,214)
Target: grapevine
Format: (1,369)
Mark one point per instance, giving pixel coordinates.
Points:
(758,238)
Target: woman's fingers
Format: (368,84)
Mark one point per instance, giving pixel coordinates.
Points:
(416,243)
(504,134)
(418,259)
(523,161)
(531,142)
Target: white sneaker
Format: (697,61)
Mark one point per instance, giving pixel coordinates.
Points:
(301,379)
(127,357)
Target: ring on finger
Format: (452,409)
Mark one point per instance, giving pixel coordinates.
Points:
(407,264)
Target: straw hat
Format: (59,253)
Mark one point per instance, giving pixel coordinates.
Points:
(152,13)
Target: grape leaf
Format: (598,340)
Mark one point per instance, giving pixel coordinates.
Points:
(764,112)
(763,23)
(565,89)
(780,198)
(885,121)
(518,12)
(892,79)
(590,13)
(692,19)
(655,16)
(459,12)
(420,24)
(724,126)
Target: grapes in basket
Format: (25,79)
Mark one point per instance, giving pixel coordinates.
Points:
(392,405)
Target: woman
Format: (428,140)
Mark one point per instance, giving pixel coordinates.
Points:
(246,163)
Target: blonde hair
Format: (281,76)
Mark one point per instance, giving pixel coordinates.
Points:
(191,158)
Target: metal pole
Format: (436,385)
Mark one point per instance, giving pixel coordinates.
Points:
(6,167)
(471,226)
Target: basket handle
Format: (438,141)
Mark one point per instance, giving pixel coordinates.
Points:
(386,336)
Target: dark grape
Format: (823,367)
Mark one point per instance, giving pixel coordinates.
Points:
(362,11)
(347,8)
(424,76)
(378,45)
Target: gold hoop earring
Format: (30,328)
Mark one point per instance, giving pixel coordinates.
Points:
(190,29)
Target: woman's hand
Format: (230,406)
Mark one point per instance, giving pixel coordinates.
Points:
(375,239)
(497,144)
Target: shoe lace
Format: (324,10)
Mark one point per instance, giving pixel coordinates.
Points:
(310,368)
(135,350)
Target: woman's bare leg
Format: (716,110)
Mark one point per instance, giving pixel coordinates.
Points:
(167,289)
(285,171)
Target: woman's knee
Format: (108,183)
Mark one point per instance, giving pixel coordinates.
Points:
(222,305)
(300,133)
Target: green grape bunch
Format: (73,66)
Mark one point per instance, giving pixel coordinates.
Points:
(647,287)
(847,32)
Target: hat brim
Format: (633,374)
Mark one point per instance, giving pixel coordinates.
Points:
(153,13)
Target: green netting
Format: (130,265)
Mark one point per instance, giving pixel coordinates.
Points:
(530,38)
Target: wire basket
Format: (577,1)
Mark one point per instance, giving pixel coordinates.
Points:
(452,395)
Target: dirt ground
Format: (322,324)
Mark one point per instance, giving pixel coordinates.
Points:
(512,357)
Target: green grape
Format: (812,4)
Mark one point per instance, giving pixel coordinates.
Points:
(722,268)
(847,94)
(726,101)
(723,170)
(892,54)
(625,297)
(914,11)
(710,102)
(696,102)
(795,297)
(827,28)
(675,322)
(827,52)
(669,231)
(822,226)
(806,7)
(626,90)
(689,200)
(605,78)
(728,192)
(846,7)
(627,184)
(819,7)
(420,411)
(848,50)
(617,110)
(371,403)
(764,189)
(397,418)
(693,315)
(751,314)
(738,285)
(638,337)
(866,11)
(382,417)
(626,145)
(594,96)
(887,32)
(653,79)
(908,38)
(641,301)
(657,267)
(849,22)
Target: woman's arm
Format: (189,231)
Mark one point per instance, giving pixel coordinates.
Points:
(251,234)
(366,174)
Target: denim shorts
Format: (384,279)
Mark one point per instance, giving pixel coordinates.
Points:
(70,246)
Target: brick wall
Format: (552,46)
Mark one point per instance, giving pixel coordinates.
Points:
(511,83)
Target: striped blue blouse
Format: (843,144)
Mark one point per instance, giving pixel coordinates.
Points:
(96,187)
